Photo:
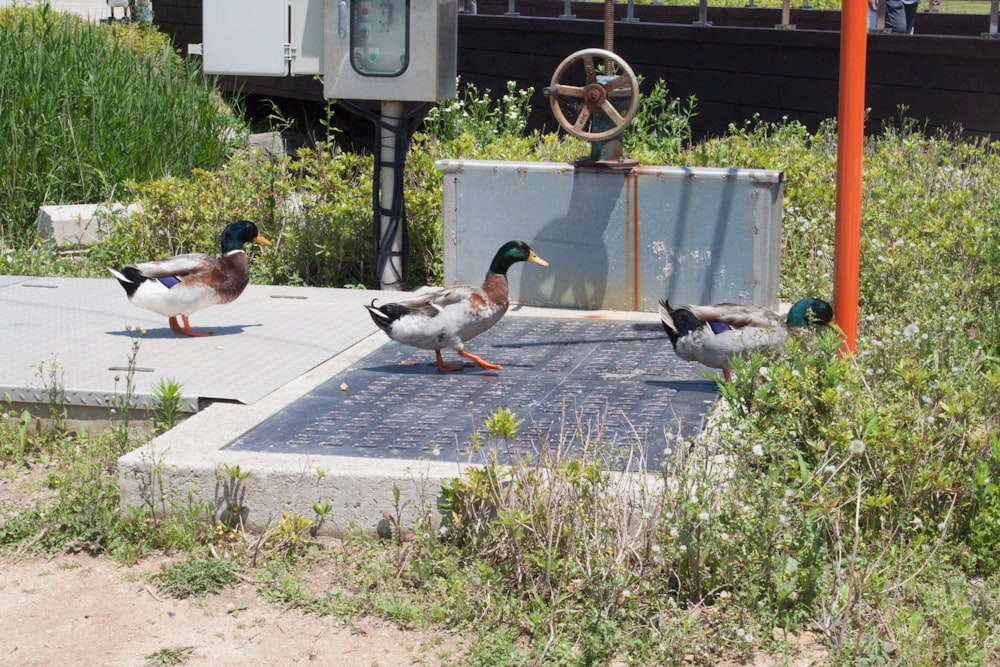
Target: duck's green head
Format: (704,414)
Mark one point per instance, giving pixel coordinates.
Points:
(511,253)
(811,313)
(237,234)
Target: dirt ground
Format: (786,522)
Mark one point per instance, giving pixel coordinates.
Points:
(74,609)
(80,610)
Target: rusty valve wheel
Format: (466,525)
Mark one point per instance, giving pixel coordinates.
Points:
(598,101)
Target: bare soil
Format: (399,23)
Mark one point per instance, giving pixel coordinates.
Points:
(74,609)
(79,610)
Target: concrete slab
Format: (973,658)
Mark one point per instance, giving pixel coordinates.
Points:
(80,329)
(199,458)
(264,393)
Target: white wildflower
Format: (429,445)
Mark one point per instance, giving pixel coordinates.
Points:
(757,451)
(857,447)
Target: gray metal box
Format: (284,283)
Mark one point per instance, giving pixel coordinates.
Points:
(262,37)
(398,50)
(617,240)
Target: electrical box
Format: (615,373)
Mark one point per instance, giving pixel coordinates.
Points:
(400,50)
(262,37)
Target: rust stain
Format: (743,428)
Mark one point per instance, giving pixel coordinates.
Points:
(594,316)
(633,212)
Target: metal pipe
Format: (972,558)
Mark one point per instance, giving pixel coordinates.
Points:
(511,9)
(390,259)
(702,13)
(994,7)
(630,12)
(850,148)
(567,10)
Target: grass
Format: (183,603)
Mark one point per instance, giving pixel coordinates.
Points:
(81,106)
(851,497)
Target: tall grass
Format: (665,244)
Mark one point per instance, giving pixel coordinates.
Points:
(84,106)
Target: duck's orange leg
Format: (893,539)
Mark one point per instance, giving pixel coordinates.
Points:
(443,367)
(482,363)
(186,329)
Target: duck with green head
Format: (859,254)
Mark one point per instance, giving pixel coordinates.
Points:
(712,335)
(450,317)
(180,285)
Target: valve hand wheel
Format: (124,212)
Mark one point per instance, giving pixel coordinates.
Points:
(602,107)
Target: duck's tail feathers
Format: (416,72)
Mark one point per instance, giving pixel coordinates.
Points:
(384,316)
(667,320)
(678,322)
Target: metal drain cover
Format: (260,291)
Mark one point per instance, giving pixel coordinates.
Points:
(613,384)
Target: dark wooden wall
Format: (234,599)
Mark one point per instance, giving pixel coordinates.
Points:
(739,67)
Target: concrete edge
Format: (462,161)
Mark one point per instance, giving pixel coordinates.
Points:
(188,464)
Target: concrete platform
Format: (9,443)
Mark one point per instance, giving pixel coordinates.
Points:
(299,389)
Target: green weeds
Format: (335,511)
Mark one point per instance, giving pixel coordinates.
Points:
(855,498)
(83,104)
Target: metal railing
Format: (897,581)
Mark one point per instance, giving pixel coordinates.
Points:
(876,18)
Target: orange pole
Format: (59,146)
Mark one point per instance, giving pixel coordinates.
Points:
(850,145)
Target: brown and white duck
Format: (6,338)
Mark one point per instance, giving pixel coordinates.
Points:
(180,285)
(448,318)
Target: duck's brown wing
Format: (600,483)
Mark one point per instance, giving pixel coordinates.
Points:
(433,303)
(180,266)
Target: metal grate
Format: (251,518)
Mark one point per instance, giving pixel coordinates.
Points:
(613,381)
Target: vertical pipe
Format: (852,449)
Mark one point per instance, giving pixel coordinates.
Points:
(850,144)
(390,259)
(703,13)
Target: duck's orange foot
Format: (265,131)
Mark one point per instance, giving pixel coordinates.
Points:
(186,329)
(482,363)
(443,367)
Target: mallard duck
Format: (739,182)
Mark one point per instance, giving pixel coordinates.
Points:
(450,317)
(712,335)
(180,285)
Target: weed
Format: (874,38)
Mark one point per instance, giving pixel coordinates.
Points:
(197,577)
(165,657)
(167,403)
(82,107)
(230,495)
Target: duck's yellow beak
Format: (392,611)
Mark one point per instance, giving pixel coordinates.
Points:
(261,240)
(535,259)
(836,327)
